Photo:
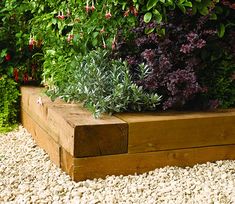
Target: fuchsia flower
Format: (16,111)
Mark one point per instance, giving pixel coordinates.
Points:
(26,77)
(16,74)
(134,11)
(232,6)
(8,57)
(70,37)
(102,30)
(126,13)
(87,8)
(104,44)
(93,8)
(114,43)
(108,15)
(60,15)
(32,43)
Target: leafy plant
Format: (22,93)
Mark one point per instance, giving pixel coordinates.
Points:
(9,106)
(175,60)
(16,48)
(102,84)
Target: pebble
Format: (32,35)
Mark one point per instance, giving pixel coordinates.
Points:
(28,176)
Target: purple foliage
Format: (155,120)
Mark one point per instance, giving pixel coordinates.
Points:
(172,58)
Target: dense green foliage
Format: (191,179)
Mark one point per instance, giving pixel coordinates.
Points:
(151,48)
(16,53)
(9,106)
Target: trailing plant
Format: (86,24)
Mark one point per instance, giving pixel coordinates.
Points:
(16,48)
(102,84)
(9,106)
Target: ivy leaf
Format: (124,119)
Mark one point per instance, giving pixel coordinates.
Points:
(221,30)
(157,15)
(204,11)
(148,17)
(151,4)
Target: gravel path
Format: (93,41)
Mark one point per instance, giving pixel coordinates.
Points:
(28,176)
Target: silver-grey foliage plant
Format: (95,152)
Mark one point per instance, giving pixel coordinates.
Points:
(103,85)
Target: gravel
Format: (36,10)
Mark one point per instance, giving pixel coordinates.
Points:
(28,176)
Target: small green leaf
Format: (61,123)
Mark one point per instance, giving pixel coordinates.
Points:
(182,8)
(161,32)
(95,34)
(148,17)
(151,4)
(3,52)
(188,4)
(94,42)
(221,30)
(157,15)
(204,11)
(213,16)
(148,30)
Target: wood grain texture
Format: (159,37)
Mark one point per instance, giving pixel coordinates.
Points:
(67,162)
(125,164)
(42,138)
(39,112)
(153,132)
(74,127)
(101,139)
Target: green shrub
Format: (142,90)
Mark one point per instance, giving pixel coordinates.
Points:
(9,105)
(102,84)
(17,50)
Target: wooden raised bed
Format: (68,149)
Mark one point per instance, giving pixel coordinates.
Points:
(124,144)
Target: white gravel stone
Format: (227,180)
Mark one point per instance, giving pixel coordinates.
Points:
(28,176)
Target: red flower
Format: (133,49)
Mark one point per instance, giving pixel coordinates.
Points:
(26,78)
(102,30)
(87,8)
(108,15)
(134,11)
(232,6)
(32,41)
(16,74)
(114,43)
(126,13)
(8,57)
(92,8)
(31,47)
(70,37)
(60,15)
